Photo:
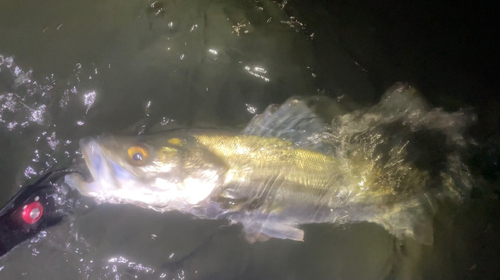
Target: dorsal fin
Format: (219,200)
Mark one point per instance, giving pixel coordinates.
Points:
(294,121)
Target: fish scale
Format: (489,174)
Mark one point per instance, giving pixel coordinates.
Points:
(267,157)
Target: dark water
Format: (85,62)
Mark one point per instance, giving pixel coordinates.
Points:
(70,69)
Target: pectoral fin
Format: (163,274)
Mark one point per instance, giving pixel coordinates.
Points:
(255,232)
(228,203)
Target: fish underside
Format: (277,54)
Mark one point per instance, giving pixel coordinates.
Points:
(392,164)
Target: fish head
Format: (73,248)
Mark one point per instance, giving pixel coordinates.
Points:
(145,172)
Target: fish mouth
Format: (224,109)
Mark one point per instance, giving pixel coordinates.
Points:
(103,169)
(93,157)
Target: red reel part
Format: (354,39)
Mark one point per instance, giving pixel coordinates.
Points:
(32,212)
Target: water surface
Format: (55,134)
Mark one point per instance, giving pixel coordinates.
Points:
(70,69)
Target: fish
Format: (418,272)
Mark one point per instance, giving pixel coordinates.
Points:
(392,164)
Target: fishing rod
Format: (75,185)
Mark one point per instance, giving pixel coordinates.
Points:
(34,208)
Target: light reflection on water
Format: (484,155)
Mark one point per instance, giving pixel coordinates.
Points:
(36,112)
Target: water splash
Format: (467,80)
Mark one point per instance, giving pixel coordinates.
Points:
(403,129)
(28,107)
(89,100)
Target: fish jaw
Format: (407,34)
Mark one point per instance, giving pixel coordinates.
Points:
(102,180)
(100,167)
(76,182)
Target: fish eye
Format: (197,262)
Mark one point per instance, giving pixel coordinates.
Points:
(138,154)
